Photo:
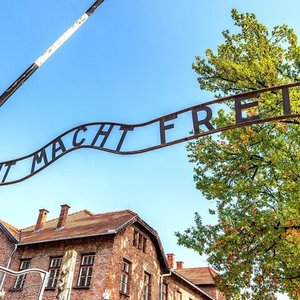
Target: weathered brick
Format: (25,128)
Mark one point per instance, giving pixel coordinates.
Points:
(110,251)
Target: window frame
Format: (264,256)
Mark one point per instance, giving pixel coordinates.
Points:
(125,277)
(164,291)
(139,240)
(144,244)
(88,267)
(178,295)
(135,238)
(20,279)
(147,286)
(56,270)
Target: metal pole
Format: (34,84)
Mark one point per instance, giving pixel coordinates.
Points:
(7,266)
(45,278)
(44,275)
(55,46)
(162,276)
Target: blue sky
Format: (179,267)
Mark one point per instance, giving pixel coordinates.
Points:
(130,62)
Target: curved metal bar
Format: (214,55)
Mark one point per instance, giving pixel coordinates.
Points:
(40,154)
(44,276)
(26,271)
(195,107)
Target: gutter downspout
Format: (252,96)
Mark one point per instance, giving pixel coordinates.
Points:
(161,282)
(7,266)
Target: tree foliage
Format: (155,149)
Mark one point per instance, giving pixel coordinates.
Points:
(251,174)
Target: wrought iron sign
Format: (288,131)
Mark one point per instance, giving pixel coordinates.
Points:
(174,128)
(161,132)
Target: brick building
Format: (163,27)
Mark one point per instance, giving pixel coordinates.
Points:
(118,257)
(203,278)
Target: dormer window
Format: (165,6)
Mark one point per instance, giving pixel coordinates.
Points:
(139,241)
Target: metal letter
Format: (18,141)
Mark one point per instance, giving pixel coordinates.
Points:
(104,133)
(205,121)
(37,158)
(55,149)
(8,165)
(164,127)
(125,130)
(74,142)
(238,110)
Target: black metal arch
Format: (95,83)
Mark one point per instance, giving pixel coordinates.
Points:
(55,149)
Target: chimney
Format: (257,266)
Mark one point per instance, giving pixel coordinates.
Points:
(41,219)
(63,216)
(179,265)
(170,259)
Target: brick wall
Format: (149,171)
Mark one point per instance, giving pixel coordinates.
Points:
(40,258)
(175,285)
(211,290)
(110,252)
(109,255)
(6,248)
(140,262)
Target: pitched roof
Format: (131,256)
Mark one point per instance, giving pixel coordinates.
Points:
(79,224)
(11,232)
(199,290)
(199,276)
(86,224)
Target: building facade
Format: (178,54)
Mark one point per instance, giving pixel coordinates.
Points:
(203,278)
(113,256)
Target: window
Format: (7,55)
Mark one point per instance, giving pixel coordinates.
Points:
(139,241)
(178,295)
(86,269)
(20,280)
(54,268)
(135,238)
(146,290)
(125,277)
(164,291)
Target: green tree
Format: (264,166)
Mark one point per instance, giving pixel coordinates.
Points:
(251,174)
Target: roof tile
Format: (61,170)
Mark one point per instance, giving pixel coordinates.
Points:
(15,232)
(79,224)
(201,275)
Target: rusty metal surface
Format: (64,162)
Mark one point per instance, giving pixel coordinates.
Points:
(41,158)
